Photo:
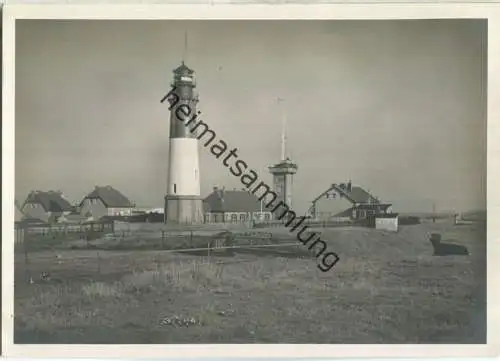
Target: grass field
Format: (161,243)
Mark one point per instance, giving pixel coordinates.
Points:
(386,288)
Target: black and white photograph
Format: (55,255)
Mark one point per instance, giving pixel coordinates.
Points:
(253,181)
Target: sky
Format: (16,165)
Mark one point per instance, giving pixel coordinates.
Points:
(396,106)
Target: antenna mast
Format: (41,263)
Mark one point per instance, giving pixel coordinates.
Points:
(283,131)
(184,54)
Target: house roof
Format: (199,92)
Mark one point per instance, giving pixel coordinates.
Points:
(345,213)
(221,200)
(50,201)
(356,194)
(110,197)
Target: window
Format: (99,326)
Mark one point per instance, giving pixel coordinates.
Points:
(362,214)
(234,217)
(175,188)
(267,216)
(331,195)
(243,217)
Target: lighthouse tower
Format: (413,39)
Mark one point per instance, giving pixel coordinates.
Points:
(183,203)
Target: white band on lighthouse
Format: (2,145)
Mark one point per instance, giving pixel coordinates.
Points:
(183,170)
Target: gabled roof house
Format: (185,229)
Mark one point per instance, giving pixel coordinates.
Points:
(46,206)
(344,200)
(105,201)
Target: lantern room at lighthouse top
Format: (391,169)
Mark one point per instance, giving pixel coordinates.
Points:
(183,75)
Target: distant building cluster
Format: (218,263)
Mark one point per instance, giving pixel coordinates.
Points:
(220,206)
(53,207)
(340,201)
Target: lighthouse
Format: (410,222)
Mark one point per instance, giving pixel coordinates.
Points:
(183,203)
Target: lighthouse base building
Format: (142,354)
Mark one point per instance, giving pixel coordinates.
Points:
(183,209)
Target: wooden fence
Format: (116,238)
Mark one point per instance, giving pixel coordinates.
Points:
(310,222)
(89,228)
(134,236)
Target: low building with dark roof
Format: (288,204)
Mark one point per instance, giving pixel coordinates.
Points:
(344,200)
(45,206)
(233,206)
(105,201)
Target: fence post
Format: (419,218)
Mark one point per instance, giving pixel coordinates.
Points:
(162,239)
(191,238)
(98,263)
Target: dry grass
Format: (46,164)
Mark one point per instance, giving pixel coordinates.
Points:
(387,288)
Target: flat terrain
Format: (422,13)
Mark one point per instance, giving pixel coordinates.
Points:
(386,288)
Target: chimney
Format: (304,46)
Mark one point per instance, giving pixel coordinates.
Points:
(349,186)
